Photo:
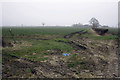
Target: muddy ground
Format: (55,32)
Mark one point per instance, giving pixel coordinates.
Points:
(100,56)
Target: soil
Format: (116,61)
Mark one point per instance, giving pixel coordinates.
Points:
(100,31)
(101,55)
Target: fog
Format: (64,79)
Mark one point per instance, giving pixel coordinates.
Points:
(119,14)
(62,13)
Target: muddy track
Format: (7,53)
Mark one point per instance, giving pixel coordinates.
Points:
(60,70)
(39,69)
(71,34)
(49,71)
(75,45)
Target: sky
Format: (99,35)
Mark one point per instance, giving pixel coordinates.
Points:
(119,15)
(58,12)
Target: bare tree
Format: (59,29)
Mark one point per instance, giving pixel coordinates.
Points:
(43,24)
(94,22)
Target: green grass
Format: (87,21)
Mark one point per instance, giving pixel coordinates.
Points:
(29,31)
(50,44)
(40,47)
(61,40)
(106,37)
(111,37)
(113,31)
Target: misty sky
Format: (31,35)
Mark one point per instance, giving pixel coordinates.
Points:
(58,13)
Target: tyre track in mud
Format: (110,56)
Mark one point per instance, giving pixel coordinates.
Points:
(41,69)
(46,70)
(74,44)
(111,70)
(74,33)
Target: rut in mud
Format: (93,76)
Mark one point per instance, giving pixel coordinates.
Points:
(37,69)
(74,44)
(72,34)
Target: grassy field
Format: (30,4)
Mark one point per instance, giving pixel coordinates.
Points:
(28,31)
(32,31)
(41,44)
(113,31)
(29,40)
